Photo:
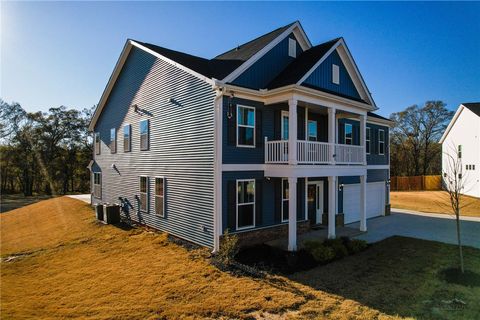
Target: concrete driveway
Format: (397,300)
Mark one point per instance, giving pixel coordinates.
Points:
(81,197)
(435,227)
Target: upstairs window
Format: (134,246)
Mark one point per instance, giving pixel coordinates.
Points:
(97,185)
(97,142)
(143,199)
(335,74)
(113,140)
(348,133)
(160,196)
(144,134)
(459,151)
(367,140)
(381,141)
(127,131)
(312,130)
(245,126)
(292,48)
(284,125)
(285,197)
(245,204)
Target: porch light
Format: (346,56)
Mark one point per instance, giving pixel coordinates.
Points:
(340,187)
(134,107)
(388,182)
(230,106)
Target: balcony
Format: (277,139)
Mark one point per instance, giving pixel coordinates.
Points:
(313,152)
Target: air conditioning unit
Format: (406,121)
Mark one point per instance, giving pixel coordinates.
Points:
(99,212)
(111,213)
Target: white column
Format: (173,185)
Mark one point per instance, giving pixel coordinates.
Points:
(292,214)
(363,136)
(332,205)
(292,132)
(332,128)
(363,203)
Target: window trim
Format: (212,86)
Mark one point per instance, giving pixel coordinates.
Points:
(381,142)
(308,130)
(345,134)
(285,114)
(163,195)
(97,150)
(283,200)
(148,134)
(368,138)
(247,203)
(247,126)
(147,204)
(335,74)
(129,137)
(114,142)
(95,184)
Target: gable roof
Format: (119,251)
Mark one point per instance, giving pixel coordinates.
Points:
(472,106)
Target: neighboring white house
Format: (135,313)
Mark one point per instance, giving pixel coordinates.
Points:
(463,137)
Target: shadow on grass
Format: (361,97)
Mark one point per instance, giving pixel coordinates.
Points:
(14,201)
(455,276)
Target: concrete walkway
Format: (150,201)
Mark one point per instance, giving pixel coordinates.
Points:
(81,197)
(435,227)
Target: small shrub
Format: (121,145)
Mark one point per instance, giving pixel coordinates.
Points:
(323,254)
(356,245)
(228,250)
(309,245)
(338,247)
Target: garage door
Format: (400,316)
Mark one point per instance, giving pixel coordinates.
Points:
(375,201)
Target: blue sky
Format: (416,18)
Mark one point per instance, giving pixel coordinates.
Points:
(62,53)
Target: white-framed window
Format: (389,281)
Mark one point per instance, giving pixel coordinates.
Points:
(245,203)
(368,138)
(348,133)
(467,167)
(473,167)
(285,197)
(144,134)
(284,125)
(335,74)
(98,142)
(381,141)
(127,142)
(245,126)
(143,191)
(97,185)
(459,151)
(160,196)
(292,48)
(312,130)
(113,140)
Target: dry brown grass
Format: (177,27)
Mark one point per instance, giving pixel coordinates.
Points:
(433,201)
(77,268)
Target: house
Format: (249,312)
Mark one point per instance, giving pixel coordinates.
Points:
(462,139)
(269,139)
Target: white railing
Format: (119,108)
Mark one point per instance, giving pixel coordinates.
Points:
(347,154)
(313,152)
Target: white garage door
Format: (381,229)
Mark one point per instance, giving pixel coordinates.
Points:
(351,201)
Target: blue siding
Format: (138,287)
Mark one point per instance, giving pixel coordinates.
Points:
(264,70)
(322,77)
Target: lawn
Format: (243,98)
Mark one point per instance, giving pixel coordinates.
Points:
(69,266)
(432,201)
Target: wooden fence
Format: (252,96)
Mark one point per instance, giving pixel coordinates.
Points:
(416,183)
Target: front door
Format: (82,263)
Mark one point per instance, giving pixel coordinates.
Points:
(315,201)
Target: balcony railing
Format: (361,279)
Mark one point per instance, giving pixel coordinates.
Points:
(313,152)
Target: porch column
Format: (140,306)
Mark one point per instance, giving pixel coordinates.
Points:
(332,205)
(363,136)
(363,203)
(292,131)
(331,133)
(292,214)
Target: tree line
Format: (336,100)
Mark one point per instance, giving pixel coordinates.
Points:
(414,147)
(44,152)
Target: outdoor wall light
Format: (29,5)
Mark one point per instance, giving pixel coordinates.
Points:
(230,106)
(388,182)
(340,187)
(134,107)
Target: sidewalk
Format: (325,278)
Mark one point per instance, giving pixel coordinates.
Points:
(436,215)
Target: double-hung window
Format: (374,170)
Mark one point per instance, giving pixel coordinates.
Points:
(348,133)
(381,141)
(459,151)
(97,185)
(285,196)
(160,196)
(245,204)
(113,140)
(144,134)
(245,126)
(367,140)
(97,142)
(312,130)
(127,132)
(143,199)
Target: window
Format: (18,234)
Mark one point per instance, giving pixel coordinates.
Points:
(285,196)
(312,130)
(381,141)
(143,205)
(459,151)
(97,184)
(144,131)
(113,140)
(467,167)
(97,142)
(348,133)
(284,125)
(292,48)
(245,204)
(335,74)
(367,140)
(127,131)
(160,196)
(473,167)
(245,126)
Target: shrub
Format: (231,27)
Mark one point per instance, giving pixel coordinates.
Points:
(337,246)
(356,245)
(228,249)
(309,245)
(322,254)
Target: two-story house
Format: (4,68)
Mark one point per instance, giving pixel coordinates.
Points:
(269,139)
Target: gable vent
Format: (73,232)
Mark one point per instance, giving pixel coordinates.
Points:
(292,48)
(335,74)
